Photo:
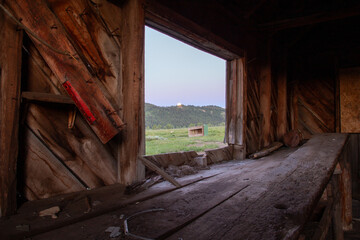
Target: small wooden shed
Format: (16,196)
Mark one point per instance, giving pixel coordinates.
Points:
(72,103)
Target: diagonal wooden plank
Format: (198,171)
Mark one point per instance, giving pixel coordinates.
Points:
(70,72)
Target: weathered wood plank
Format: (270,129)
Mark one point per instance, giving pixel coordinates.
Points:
(236,104)
(78,147)
(336,212)
(103,200)
(265,97)
(165,20)
(94,44)
(349,100)
(49,176)
(279,211)
(132,139)
(218,155)
(345,188)
(176,159)
(159,171)
(281,123)
(10,71)
(46,97)
(83,87)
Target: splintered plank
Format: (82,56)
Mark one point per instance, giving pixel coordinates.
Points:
(48,176)
(69,71)
(10,69)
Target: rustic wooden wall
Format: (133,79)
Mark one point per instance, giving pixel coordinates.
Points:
(10,69)
(106,45)
(313,82)
(266,91)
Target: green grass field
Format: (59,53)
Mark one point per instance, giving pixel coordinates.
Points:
(177,140)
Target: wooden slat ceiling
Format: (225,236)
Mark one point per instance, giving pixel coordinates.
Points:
(245,22)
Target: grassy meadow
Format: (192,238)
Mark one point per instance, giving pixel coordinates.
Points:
(177,140)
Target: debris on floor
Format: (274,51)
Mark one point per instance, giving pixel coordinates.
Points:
(23,227)
(50,212)
(114,231)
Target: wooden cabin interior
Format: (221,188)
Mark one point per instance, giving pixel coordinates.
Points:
(72,125)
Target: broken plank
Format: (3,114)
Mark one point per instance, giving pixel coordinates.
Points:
(159,171)
(10,71)
(70,72)
(46,97)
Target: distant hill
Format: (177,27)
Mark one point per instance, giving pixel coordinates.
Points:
(182,116)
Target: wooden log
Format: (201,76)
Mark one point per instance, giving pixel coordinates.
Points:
(46,97)
(273,147)
(159,171)
(10,71)
(70,72)
(132,140)
(293,138)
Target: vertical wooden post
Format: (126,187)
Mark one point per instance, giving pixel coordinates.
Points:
(132,51)
(265,97)
(282,96)
(10,69)
(236,98)
(345,188)
(336,215)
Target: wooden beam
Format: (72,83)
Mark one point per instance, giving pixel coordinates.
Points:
(345,187)
(70,71)
(258,5)
(10,73)
(265,96)
(311,19)
(336,213)
(159,171)
(236,103)
(281,82)
(132,140)
(173,24)
(46,97)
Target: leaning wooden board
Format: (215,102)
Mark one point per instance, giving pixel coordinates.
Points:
(270,198)
(84,88)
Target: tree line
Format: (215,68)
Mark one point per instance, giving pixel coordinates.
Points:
(182,116)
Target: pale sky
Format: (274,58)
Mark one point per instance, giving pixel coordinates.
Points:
(176,72)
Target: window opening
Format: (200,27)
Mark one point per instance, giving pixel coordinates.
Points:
(184,93)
